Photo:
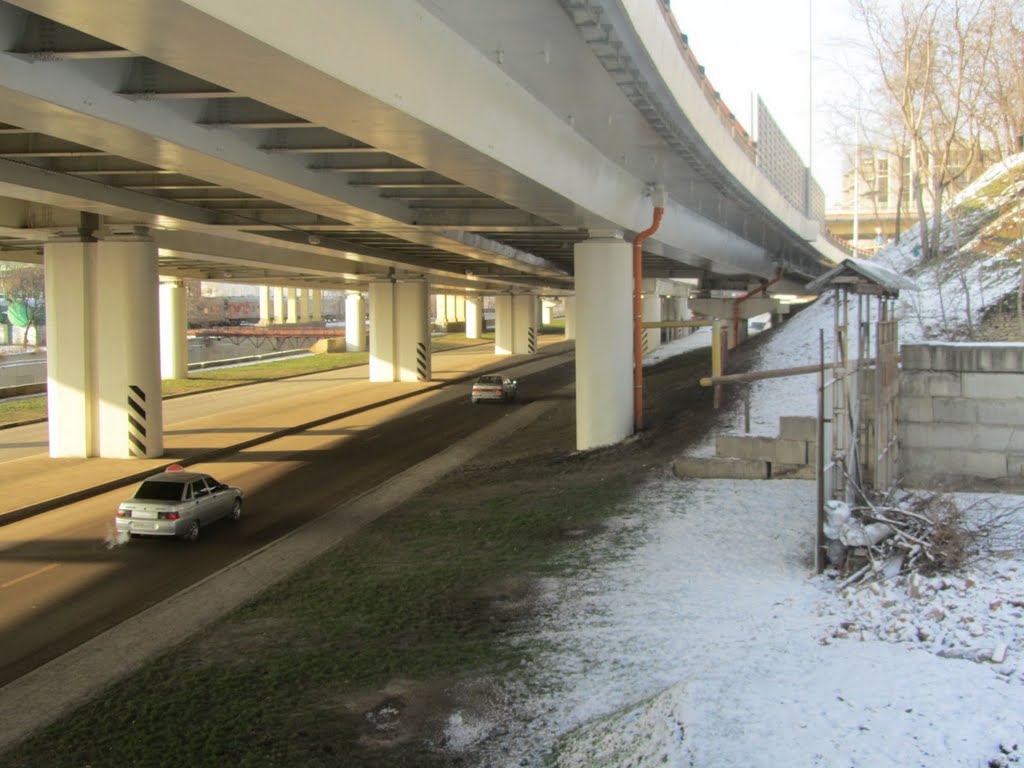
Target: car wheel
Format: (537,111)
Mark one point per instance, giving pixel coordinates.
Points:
(236,511)
(192,532)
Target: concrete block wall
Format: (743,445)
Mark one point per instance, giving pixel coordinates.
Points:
(791,455)
(961,414)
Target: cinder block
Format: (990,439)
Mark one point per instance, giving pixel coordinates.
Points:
(793,471)
(717,467)
(994,386)
(1015,465)
(929,384)
(916,357)
(1016,442)
(798,428)
(965,437)
(963,357)
(938,465)
(956,410)
(1008,412)
(915,409)
(761,449)
(790,452)
(744,447)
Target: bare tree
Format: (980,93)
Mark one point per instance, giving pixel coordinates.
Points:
(1001,112)
(932,59)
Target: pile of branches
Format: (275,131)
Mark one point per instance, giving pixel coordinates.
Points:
(927,533)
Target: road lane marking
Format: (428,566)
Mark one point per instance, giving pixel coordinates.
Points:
(29,575)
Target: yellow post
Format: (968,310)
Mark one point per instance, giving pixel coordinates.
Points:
(717,350)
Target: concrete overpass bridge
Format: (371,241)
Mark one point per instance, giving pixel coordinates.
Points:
(399,147)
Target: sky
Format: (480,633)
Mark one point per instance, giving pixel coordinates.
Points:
(755,47)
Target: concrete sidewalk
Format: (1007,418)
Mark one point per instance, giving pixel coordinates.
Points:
(210,425)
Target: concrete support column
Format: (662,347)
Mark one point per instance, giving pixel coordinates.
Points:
(449,309)
(474,317)
(413,330)
(383,355)
(570,317)
(515,324)
(291,306)
(278,304)
(316,313)
(302,305)
(355,324)
(604,347)
(525,324)
(103,357)
(264,305)
(127,348)
(173,329)
(399,332)
(651,313)
(70,269)
(503,324)
(547,307)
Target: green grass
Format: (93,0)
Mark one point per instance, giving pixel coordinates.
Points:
(24,409)
(15,411)
(416,597)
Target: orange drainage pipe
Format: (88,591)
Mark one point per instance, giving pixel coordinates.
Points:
(638,311)
(736,305)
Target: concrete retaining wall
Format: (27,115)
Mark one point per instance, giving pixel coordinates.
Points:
(962,414)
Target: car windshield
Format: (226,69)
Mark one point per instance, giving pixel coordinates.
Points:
(489,380)
(156,490)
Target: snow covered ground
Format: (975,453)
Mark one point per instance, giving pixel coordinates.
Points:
(703,639)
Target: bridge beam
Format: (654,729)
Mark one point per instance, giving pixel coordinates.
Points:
(604,345)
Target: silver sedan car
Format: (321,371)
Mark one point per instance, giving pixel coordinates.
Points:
(177,503)
(493,387)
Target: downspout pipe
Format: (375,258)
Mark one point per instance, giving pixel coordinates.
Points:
(638,338)
(736,305)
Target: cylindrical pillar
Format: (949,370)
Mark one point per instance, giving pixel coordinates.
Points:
(383,337)
(278,304)
(69,267)
(264,305)
(604,346)
(291,306)
(651,313)
(525,315)
(173,329)
(317,312)
(302,304)
(413,330)
(127,349)
(474,317)
(355,322)
(503,328)
(547,307)
(570,317)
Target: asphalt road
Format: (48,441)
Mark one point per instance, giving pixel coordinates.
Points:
(64,578)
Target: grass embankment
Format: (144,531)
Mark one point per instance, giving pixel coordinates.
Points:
(31,408)
(300,677)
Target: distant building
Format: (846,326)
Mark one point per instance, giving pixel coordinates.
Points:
(878,191)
